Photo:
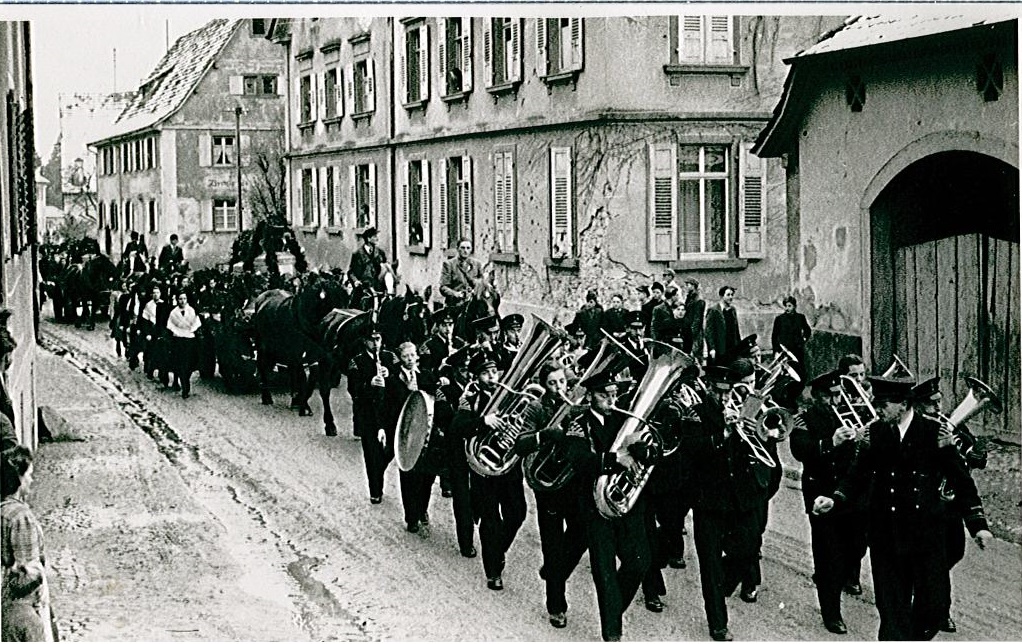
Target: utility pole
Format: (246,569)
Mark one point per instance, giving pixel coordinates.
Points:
(237,141)
(115,69)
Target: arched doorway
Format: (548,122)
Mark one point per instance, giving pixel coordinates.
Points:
(945,276)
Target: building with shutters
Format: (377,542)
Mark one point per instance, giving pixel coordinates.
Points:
(575,152)
(169,164)
(18,202)
(906,235)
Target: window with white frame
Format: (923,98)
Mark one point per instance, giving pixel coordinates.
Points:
(225,214)
(333,100)
(562,204)
(154,216)
(415,203)
(306,100)
(360,83)
(308,198)
(505,202)
(455,54)
(694,190)
(129,215)
(413,59)
(330,177)
(362,179)
(260,85)
(502,47)
(559,45)
(224,152)
(705,40)
(456,216)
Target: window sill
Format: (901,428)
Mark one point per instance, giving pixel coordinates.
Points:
(306,126)
(564,263)
(418,249)
(503,88)
(563,78)
(729,264)
(334,230)
(308,229)
(362,116)
(333,120)
(455,97)
(504,258)
(678,68)
(219,231)
(415,105)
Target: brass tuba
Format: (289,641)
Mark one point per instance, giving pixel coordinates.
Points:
(547,469)
(979,398)
(490,453)
(618,492)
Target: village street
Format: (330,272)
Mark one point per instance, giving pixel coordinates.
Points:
(216,518)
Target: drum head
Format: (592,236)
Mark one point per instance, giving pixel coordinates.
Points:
(413,429)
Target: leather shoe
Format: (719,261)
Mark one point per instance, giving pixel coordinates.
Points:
(836,626)
(495,583)
(558,620)
(721,635)
(655,605)
(542,573)
(376,500)
(677,562)
(469,552)
(853,589)
(749,596)
(949,625)
(413,527)
(447,494)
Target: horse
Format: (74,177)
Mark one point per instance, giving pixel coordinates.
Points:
(288,331)
(485,300)
(88,284)
(365,296)
(404,318)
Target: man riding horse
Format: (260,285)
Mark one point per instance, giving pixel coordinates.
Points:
(368,270)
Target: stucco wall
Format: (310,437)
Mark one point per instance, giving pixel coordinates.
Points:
(915,105)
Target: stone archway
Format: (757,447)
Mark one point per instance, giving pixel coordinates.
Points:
(944,287)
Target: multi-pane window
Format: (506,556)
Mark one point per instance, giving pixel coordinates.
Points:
(361,84)
(414,63)
(225,214)
(224,152)
(705,40)
(456,216)
(306,99)
(415,202)
(114,218)
(333,101)
(502,47)
(559,45)
(505,215)
(154,217)
(308,198)
(129,215)
(260,85)
(362,178)
(455,53)
(562,204)
(694,190)
(102,215)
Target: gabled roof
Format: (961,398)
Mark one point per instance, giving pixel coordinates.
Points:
(174,79)
(857,33)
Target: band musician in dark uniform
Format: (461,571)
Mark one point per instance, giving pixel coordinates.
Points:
(498,501)
(432,355)
(510,341)
(725,496)
(826,449)
(588,442)
(904,459)
(454,377)
(562,531)
(367,380)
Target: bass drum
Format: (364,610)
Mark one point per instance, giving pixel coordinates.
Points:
(414,430)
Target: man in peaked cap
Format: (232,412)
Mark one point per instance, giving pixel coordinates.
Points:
(902,462)
(487,332)
(510,328)
(367,373)
(367,261)
(436,349)
(826,449)
(747,348)
(588,443)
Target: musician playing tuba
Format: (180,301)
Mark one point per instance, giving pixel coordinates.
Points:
(903,463)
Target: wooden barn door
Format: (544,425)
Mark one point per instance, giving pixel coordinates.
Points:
(956,314)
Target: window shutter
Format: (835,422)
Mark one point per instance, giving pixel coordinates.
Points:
(442,167)
(424,62)
(321,89)
(405,201)
(315,199)
(353,195)
(370,85)
(323,187)
(577,49)
(691,47)
(560,203)
(372,194)
(541,59)
(206,216)
(205,150)
(499,201)
(280,85)
(349,88)
(338,197)
(402,70)
(466,54)
(427,231)
(338,92)
(441,44)
(488,52)
(721,50)
(516,50)
(663,202)
(751,202)
(314,98)
(674,39)
(236,85)
(510,221)
(466,196)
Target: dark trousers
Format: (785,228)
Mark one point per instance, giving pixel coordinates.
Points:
(416,488)
(500,505)
(153,357)
(183,352)
(611,540)
(911,582)
(758,517)
(458,478)
(665,519)
(954,546)
(562,537)
(726,545)
(377,456)
(836,557)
